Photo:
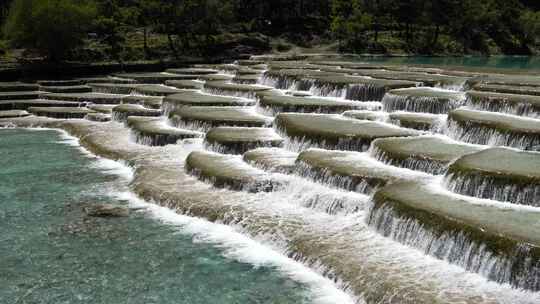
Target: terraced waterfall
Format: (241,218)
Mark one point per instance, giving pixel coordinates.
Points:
(400,184)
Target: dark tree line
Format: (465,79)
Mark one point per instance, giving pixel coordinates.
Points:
(203,27)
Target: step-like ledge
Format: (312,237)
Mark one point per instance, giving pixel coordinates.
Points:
(153,131)
(284,103)
(205,118)
(13,113)
(228,171)
(155,90)
(500,243)
(123,111)
(154,77)
(113,88)
(66,89)
(522,105)
(430,154)
(24,104)
(196,98)
(100,98)
(272,159)
(508,89)
(238,140)
(357,87)
(186,84)
(489,128)
(192,71)
(501,174)
(99,117)
(60,112)
(18,95)
(234,89)
(424,100)
(332,131)
(418,121)
(352,171)
(18,86)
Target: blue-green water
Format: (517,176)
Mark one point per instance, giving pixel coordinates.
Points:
(51,252)
(519,63)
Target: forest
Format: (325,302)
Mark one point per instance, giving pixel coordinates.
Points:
(127,30)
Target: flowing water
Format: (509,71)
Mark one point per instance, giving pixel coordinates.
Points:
(52,252)
(377,219)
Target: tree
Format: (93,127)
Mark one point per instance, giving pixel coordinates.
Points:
(53,27)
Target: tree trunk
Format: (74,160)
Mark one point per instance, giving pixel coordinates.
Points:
(171,45)
(436,35)
(145,37)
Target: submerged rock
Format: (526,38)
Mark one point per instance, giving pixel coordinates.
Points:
(106,210)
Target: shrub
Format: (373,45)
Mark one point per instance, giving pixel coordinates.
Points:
(53,27)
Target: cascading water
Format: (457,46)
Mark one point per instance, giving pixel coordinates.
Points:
(515,267)
(417,163)
(499,189)
(325,228)
(474,133)
(503,105)
(422,104)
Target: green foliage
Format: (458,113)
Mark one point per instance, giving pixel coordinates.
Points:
(477,25)
(146,29)
(54,27)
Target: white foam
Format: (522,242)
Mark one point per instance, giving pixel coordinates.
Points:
(237,246)
(104,164)
(233,244)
